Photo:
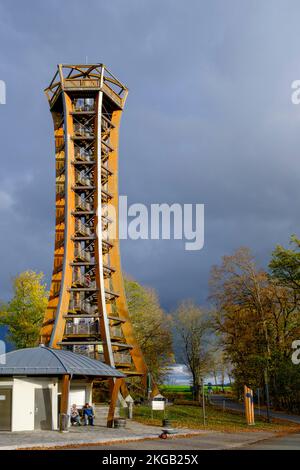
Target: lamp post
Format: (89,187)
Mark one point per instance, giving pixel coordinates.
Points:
(203,404)
(267,395)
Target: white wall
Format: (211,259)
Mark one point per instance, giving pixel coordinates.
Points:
(80,393)
(23,400)
(77,396)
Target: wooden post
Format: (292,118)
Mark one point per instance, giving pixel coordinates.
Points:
(64,402)
(113,402)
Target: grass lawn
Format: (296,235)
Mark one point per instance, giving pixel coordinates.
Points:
(175,388)
(188,389)
(192,417)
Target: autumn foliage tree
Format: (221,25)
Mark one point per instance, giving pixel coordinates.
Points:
(285,265)
(257,317)
(23,314)
(152,327)
(192,325)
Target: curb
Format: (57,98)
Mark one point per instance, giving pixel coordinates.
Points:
(73,444)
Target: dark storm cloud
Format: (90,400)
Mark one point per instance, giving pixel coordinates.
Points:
(208,120)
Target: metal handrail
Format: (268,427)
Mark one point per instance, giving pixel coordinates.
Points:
(83,131)
(122,358)
(85,255)
(84,280)
(82,228)
(82,204)
(84,156)
(84,181)
(83,306)
(81,328)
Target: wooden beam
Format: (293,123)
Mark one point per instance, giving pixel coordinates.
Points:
(113,402)
(65,388)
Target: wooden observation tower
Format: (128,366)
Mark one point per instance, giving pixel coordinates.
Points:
(87,311)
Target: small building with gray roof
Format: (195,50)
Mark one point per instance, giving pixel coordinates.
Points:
(37,384)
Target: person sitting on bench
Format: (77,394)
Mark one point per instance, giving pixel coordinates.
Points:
(88,414)
(75,417)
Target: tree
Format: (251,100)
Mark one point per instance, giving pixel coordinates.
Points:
(152,327)
(257,315)
(192,325)
(285,264)
(23,314)
(220,364)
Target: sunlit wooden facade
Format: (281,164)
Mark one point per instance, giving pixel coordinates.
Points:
(87,311)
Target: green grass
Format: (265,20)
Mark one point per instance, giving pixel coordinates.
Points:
(192,417)
(188,389)
(175,388)
(174,393)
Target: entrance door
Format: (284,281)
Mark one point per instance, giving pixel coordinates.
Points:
(5,409)
(42,408)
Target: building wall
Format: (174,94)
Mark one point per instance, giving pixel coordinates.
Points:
(5,383)
(23,400)
(80,392)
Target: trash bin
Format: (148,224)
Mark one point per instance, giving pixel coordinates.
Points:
(119,423)
(166,423)
(63,422)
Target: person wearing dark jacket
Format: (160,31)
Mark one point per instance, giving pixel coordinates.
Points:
(88,415)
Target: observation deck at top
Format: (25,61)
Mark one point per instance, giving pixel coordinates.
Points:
(83,77)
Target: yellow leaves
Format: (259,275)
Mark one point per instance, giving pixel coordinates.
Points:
(24,313)
(151,325)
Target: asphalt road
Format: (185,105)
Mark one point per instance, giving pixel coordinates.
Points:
(289,442)
(212,441)
(209,441)
(221,400)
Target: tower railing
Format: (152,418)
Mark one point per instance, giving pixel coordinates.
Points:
(122,358)
(84,254)
(82,204)
(116,331)
(81,328)
(82,130)
(83,305)
(80,227)
(83,280)
(84,180)
(89,352)
(83,155)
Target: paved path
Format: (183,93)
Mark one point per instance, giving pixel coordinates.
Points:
(232,405)
(84,435)
(134,436)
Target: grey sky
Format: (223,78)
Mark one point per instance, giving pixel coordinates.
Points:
(208,119)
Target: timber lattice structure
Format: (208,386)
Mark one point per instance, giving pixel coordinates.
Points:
(87,311)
